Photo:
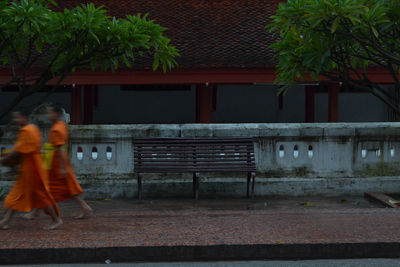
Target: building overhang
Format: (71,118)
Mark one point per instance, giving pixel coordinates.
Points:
(210,76)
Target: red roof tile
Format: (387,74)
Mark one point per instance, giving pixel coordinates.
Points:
(208,33)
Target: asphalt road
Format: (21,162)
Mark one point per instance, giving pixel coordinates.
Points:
(312,263)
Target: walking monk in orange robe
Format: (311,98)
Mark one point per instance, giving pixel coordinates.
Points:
(30,191)
(62,180)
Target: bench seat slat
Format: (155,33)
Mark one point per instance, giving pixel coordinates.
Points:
(186,158)
(193,143)
(193,155)
(192,140)
(179,170)
(204,162)
(176,164)
(191,152)
(210,149)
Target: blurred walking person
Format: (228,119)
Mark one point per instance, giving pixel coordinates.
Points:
(62,180)
(31,190)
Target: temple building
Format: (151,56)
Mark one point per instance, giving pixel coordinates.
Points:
(225,74)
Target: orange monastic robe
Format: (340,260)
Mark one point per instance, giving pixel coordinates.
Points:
(30,191)
(62,187)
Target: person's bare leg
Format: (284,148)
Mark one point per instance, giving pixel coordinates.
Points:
(7,217)
(56,219)
(86,210)
(32,215)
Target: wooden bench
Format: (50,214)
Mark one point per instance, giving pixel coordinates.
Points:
(183,155)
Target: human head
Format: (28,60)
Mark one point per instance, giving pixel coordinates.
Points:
(54,113)
(21,117)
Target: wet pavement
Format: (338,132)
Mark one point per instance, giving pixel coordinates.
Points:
(164,223)
(167,222)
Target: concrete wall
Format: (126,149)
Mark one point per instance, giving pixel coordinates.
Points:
(305,158)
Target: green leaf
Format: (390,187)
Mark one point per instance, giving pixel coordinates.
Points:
(94,36)
(316,23)
(156,62)
(335,24)
(375,32)
(93,65)
(314,76)
(126,62)
(25,27)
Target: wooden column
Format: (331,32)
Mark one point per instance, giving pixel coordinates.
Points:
(96,96)
(76,105)
(88,104)
(310,103)
(333,106)
(280,101)
(203,104)
(214,97)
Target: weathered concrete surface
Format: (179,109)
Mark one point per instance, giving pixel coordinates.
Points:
(293,159)
(235,187)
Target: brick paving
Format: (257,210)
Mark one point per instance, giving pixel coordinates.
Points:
(128,223)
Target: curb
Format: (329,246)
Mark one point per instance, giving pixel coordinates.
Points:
(201,253)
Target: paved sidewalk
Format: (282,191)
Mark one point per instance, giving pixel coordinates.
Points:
(236,229)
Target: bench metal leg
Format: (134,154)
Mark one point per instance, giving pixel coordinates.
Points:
(248,185)
(139,185)
(196,185)
(253,176)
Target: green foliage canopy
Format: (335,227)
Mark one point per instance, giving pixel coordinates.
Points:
(38,44)
(339,40)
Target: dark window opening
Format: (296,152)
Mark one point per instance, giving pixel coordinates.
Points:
(343,89)
(59,89)
(162,87)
